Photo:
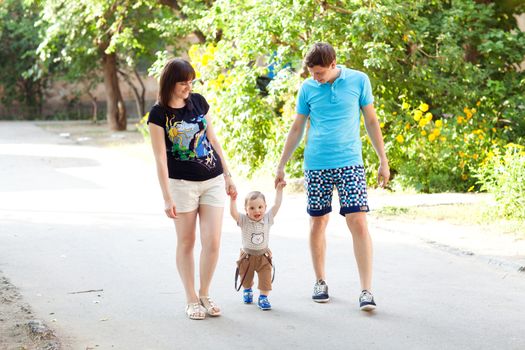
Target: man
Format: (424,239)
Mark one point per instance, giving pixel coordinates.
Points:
(332,101)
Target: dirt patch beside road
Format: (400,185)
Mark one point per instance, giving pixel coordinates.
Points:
(19,330)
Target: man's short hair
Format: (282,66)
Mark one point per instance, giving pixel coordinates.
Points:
(320,54)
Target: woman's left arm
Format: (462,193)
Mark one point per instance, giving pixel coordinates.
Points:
(212,137)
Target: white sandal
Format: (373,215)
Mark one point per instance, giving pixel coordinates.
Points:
(211,308)
(194,311)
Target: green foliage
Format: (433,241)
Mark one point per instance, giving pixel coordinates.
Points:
(503,175)
(451,55)
(437,154)
(76,34)
(142,126)
(18,41)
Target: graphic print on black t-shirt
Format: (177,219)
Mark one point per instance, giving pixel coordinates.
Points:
(190,141)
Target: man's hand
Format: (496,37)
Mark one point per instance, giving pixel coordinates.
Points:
(279,177)
(280,185)
(383,175)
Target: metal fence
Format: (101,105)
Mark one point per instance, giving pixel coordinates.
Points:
(78,111)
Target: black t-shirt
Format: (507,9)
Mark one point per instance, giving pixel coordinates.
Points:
(190,154)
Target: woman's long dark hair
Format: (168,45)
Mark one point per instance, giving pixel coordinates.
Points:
(176,70)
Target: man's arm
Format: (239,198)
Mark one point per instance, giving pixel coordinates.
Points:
(374,132)
(292,141)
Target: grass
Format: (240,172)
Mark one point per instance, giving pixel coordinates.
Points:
(461,214)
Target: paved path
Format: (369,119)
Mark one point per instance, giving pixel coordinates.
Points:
(78,218)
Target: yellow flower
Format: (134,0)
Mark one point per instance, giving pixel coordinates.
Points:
(193,51)
(442,139)
(205,59)
(405,38)
(417,115)
(461,154)
(400,138)
(464,177)
(478,103)
(407,126)
(439,123)
(431,137)
(470,189)
(436,132)
(423,107)
(514,145)
(423,122)
(405,105)
(428,116)
(466,110)
(460,120)
(475,156)
(381,125)
(423,133)
(473,110)
(211,49)
(394,113)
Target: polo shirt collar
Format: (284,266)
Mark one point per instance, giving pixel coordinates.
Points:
(342,75)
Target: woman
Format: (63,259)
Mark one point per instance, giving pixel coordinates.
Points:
(192,173)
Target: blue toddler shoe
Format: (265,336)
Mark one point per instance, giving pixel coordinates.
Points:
(264,303)
(247,296)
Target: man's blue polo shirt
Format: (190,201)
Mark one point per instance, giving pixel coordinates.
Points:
(333,140)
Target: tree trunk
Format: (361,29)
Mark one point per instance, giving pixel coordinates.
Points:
(95,107)
(140,97)
(116,113)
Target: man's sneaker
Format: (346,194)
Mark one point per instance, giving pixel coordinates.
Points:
(264,303)
(366,301)
(320,292)
(247,296)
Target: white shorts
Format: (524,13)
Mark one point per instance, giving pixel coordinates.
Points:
(188,195)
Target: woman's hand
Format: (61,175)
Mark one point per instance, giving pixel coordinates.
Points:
(170,209)
(231,190)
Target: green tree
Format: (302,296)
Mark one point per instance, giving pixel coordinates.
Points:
(101,38)
(18,42)
(448,54)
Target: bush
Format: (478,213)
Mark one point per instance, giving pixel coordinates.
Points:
(432,152)
(458,57)
(503,175)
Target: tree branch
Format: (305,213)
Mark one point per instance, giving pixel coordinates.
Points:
(178,10)
(336,8)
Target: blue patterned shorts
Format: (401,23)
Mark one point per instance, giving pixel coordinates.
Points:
(350,182)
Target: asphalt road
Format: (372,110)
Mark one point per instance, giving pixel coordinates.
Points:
(83,236)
